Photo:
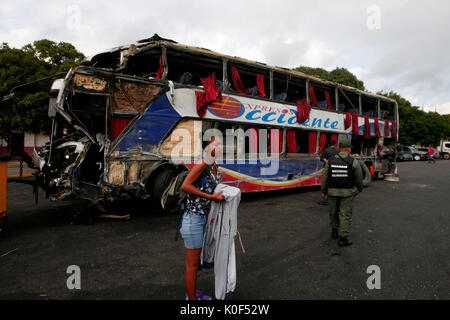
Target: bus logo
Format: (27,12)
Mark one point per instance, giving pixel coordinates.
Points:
(228,108)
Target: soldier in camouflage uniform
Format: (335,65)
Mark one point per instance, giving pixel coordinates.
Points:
(341,182)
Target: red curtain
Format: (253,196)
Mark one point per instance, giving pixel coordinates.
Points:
(211,94)
(312,142)
(209,85)
(201,103)
(394,130)
(254,140)
(237,82)
(377,128)
(312,96)
(386,128)
(328,98)
(355,127)
(334,137)
(291,141)
(348,120)
(160,69)
(276,145)
(322,141)
(303,111)
(366,127)
(260,83)
(118,124)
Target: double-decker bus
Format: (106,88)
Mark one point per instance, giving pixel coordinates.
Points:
(127,120)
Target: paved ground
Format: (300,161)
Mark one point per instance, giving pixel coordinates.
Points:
(401,227)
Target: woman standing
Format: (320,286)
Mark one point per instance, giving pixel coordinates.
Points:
(199,184)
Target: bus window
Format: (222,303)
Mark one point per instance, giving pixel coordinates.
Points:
(320,93)
(298,141)
(357,144)
(369,106)
(387,110)
(249,80)
(145,64)
(348,101)
(280,86)
(188,69)
(296,90)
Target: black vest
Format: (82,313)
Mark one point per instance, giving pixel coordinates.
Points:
(340,173)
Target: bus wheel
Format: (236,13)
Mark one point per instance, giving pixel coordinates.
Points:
(366,174)
(446,156)
(158,186)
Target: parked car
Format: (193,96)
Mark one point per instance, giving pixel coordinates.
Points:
(405,153)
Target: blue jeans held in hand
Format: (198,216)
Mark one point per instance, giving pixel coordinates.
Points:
(431,158)
(192,229)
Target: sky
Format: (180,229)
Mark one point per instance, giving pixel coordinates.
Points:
(399,45)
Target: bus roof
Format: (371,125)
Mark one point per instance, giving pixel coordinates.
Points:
(157,41)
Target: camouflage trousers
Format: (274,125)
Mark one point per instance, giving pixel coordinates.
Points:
(341,211)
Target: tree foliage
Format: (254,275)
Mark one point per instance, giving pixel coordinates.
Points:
(27,110)
(338,75)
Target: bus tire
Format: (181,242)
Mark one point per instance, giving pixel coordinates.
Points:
(446,156)
(160,183)
(366,174)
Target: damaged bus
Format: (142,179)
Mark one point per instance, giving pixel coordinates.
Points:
(117,118)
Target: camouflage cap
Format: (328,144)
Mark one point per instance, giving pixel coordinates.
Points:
(344,143)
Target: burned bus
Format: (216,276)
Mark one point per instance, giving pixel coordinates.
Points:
(121,118)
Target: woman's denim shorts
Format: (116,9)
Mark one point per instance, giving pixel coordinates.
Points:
(192,228)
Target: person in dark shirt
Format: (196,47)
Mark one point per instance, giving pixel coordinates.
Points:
(331,151)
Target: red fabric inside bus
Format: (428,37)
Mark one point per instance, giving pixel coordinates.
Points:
(291,141)
(334,137)
(201,103)
(276,145)
(355,128)
(118,124)
(328,98)
(254,139)
(312,96)
(209,85)
(366,127)
(377,128)
(394,130)
(160,69)
(322,141)
(348,120)
(260,83)
(237,82)
(303,110)
(386,128)
(312,142)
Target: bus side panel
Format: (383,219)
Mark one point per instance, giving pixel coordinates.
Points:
(151,128)
(291,173)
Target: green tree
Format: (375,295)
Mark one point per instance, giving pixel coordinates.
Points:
(27,111)
(338,75)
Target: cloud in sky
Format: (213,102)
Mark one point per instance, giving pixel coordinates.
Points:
(402,45)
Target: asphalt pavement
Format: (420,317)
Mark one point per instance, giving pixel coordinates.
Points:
(400,227)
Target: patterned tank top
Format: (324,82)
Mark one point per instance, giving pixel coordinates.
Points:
(206,183)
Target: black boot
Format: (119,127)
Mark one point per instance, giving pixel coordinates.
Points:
(344,242)
(334,233)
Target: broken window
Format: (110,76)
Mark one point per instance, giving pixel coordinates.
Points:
(369,106)
(144,64)
(321,91)
(253,84)
(387,110)
(188,68)
(348,101)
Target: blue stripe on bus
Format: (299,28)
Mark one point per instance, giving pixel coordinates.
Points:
(151,128)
